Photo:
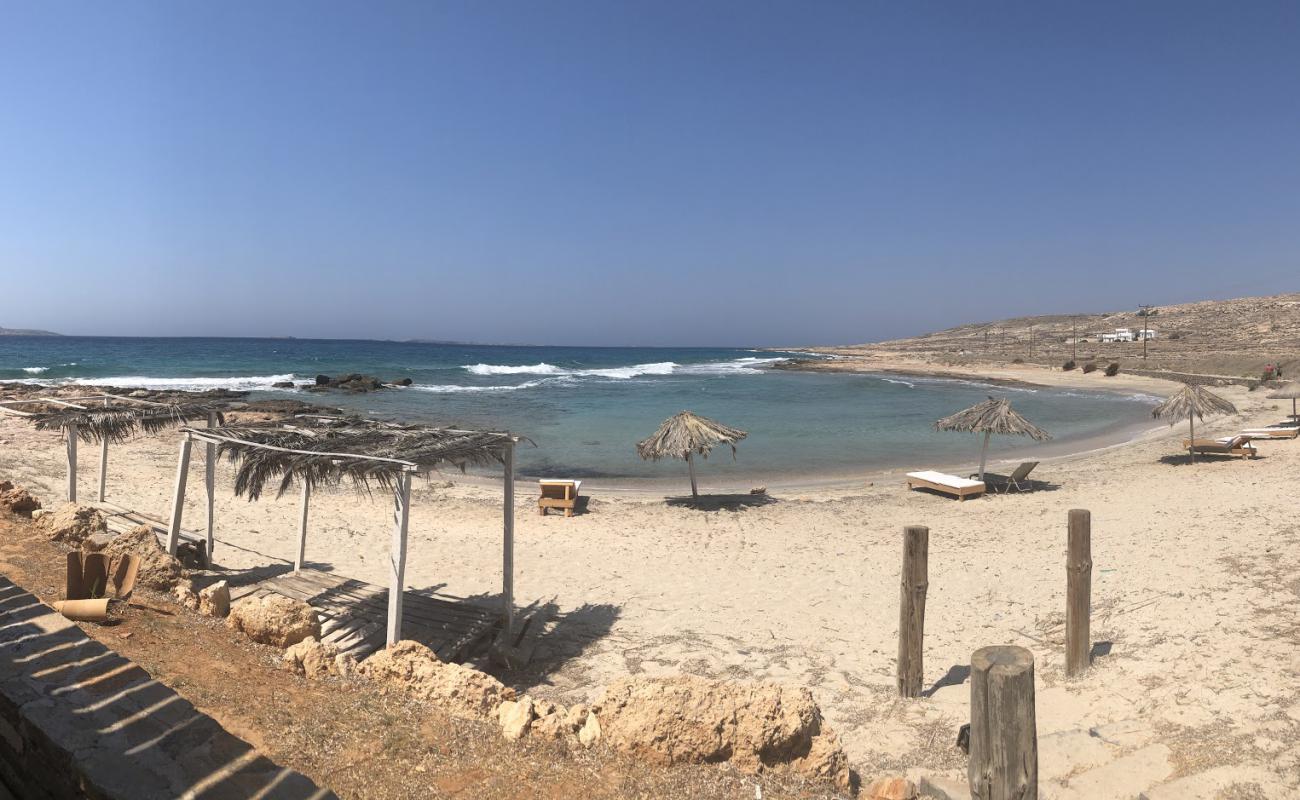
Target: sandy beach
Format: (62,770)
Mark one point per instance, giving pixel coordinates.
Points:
(1196,575)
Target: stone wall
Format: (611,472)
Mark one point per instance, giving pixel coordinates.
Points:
(77,720)
(1191,377)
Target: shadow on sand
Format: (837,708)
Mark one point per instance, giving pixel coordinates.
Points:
(721,502)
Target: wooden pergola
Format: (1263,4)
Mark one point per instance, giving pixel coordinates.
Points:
(105,418)
(331,449)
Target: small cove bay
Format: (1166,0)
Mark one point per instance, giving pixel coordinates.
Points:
(586,407)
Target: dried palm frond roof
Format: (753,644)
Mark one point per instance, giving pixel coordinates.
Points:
(994,415)
(326,451)
(1192,399)
(684,433)
(1290,391)
(115,419)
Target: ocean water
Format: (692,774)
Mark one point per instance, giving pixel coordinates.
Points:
(585,408)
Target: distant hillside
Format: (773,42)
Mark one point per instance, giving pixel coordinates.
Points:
(1228,337)
(26,332)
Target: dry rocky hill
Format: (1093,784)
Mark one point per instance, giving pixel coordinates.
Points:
(1220,337)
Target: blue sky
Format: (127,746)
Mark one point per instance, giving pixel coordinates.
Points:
(638,172)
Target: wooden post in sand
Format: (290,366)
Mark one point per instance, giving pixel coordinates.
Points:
(302,526)
(1078,601)
(1003,761)
(72,463)
(911,610)
(178,495)
(397,556)
(103,463)
(508,539)
(210,486)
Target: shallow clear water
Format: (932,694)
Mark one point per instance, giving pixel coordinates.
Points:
(586,407)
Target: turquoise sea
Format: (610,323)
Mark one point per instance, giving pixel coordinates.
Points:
(586,407)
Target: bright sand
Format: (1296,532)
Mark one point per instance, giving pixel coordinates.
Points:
(1196,579)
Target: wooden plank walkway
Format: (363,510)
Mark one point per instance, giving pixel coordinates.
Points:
(121,520)
(354,614)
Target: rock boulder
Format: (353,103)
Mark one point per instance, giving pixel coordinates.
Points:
(411,667)
(754,726)
(214,600)
(71,523)
(17,500)
(158,571)
(311,658)
(275,620)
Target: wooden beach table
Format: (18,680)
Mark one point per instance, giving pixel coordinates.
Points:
(562,494)
(961,488)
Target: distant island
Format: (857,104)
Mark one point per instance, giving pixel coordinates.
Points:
(26,332)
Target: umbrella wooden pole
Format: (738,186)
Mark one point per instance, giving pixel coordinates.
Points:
(984,453)
(690,464)
(1191,427)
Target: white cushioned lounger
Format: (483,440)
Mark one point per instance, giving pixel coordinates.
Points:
(961,488)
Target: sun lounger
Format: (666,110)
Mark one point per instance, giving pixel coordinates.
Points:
(1275,432)
(1238,446)
(558,494)
(961,488)
(1017,480)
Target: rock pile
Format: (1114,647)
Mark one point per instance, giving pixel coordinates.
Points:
(462,691)
(312,658)
(158,570)
(19,501)
(354,382)
(754,726)
(275,620)
(71,523)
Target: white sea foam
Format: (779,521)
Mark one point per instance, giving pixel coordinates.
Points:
(505,369)
(233,382)
(740,366)
(908,384)
(35,370)
(451,388)
(624,373)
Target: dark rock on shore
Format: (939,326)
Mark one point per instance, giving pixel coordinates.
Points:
(403,382)
(282,385)
(353,382)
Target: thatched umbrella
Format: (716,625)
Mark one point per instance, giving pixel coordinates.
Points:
(1192,401)
(683,435)
(994,415)
(1290,391)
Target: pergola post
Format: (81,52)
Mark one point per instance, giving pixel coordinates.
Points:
(397,556)
(508,545)
(103,462)
(178,496)
(72,463)
(210,485)
(302,527)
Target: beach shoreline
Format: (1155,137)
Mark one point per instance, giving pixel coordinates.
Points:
(795,586)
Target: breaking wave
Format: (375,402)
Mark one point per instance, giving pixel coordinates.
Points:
(233,382)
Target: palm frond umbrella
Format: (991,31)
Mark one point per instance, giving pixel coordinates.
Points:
(1192,401)
(685,434)
(1288,392)
(994,415)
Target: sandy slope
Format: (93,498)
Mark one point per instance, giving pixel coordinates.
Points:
(1196,578)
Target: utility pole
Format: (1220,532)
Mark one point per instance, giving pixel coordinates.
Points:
(1074,338)
(1144,311)
(1031,341)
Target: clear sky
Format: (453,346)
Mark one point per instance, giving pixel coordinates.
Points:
(638,172)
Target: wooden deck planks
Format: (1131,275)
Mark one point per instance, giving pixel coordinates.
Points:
(354,614)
